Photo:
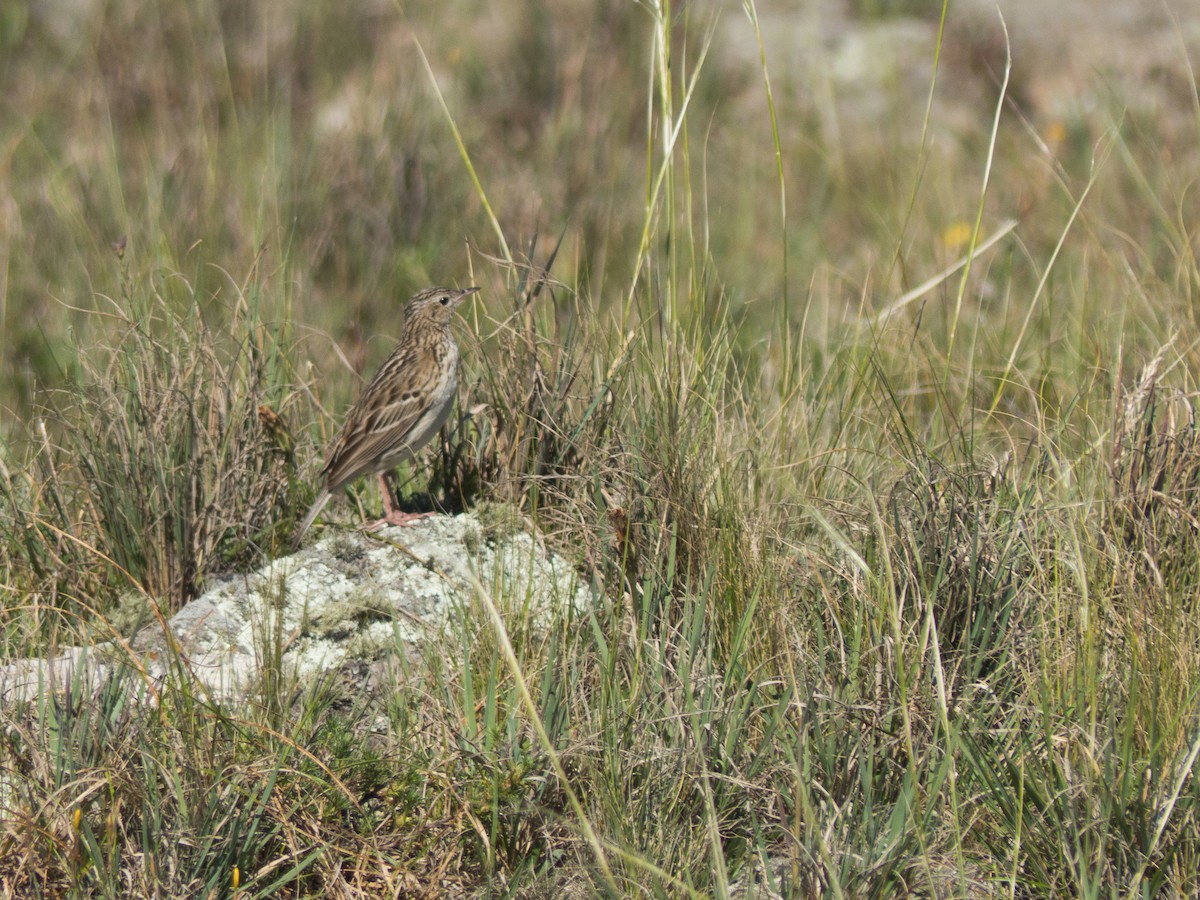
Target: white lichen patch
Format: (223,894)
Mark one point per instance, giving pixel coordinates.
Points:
(521,571)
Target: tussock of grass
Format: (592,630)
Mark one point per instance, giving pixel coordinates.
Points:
(165,461)
(1155,472)
(962,546)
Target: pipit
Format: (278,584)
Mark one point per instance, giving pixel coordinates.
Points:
(402,408)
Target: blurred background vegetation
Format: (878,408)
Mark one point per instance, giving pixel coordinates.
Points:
(304,143)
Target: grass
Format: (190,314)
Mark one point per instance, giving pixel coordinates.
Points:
(895,575)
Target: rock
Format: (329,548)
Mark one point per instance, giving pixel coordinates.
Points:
(348,601)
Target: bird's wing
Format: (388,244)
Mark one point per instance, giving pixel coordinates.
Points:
(380,420)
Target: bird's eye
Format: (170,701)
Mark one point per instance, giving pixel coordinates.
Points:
(444,299)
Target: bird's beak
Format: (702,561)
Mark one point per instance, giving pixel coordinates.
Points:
(465,293)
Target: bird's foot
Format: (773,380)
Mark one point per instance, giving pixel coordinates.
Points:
(396,517)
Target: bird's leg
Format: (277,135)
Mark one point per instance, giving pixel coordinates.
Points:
(392,514)
(390,504)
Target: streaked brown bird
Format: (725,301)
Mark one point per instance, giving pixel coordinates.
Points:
(402,408)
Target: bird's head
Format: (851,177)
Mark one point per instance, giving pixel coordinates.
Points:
(435,305)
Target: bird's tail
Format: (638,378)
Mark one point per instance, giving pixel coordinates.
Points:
(318,505)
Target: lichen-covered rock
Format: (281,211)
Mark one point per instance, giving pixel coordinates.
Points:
(348,600)
(355,596)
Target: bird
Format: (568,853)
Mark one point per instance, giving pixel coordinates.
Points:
(402,407)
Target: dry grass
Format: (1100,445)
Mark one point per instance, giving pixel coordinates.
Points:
(169,460)
(886,604)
